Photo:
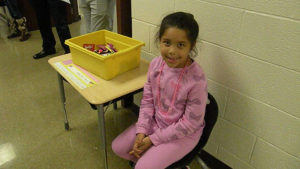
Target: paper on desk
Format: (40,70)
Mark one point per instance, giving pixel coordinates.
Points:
(67,62)
(77,77)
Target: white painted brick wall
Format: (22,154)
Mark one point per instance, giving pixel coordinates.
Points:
(273,39)
(266,155)
(250,51)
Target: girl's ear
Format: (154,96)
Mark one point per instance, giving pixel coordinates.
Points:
(193,50)
(192,46)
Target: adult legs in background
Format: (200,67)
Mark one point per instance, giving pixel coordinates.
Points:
(97,14)
(157,157)
(57,9)
(14,11)
(42,12)
(99,18)
(58,12)
(84,6)
(19,23)
(110,14)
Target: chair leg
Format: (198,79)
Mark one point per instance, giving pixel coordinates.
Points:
(202,163)
(115,105)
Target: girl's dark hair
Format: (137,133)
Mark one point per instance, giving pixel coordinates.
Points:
(183,21)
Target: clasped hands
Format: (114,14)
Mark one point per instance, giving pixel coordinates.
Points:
(141,144)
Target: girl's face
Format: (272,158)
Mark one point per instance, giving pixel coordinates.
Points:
(175,47)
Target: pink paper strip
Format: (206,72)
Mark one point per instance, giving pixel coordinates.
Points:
(67,62)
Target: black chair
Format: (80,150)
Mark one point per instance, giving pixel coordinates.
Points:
(211,115)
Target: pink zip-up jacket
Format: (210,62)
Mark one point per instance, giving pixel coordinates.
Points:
(187,115)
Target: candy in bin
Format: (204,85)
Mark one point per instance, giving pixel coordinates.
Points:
(90,47)
(111,46)
(103,47)
(99,51)
(105,50)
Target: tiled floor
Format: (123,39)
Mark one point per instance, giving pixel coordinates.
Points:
(32,134)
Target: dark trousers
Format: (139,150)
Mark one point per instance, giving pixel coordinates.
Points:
(44,9)
(13,9)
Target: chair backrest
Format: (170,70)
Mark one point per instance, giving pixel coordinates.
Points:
(211,116)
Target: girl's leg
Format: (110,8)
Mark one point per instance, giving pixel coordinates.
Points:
(123,144)
(163,155)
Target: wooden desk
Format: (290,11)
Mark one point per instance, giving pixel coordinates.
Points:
(103,91)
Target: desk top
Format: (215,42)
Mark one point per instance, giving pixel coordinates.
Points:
(104,91)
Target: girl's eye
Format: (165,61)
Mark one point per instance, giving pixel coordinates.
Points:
(166,43)
(180,45)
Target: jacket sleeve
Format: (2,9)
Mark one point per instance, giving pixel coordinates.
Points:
(191,121)
(144,123)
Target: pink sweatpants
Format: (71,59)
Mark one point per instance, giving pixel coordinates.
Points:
(156,157)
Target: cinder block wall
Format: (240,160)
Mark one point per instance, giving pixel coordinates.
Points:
(250,51)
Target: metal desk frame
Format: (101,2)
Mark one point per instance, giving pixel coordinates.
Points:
(100,107)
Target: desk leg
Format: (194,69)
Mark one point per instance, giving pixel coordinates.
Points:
(102,132)
(63,99)
(115,105)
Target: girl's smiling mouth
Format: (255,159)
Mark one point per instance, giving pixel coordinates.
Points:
(171,60)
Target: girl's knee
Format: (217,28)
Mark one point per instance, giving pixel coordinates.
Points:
(120,148)
(116,147)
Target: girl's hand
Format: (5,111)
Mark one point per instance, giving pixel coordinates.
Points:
(143,147)
(146,144)
(138,142)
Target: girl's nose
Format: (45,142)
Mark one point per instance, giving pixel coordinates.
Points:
(172,50)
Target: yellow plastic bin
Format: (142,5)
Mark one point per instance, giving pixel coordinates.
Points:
(107,67)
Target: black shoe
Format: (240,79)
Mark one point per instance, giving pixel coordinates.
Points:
(25,37)
(44,53)
(132,164)
(14,35)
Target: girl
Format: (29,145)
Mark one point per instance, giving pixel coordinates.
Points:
(172,109)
